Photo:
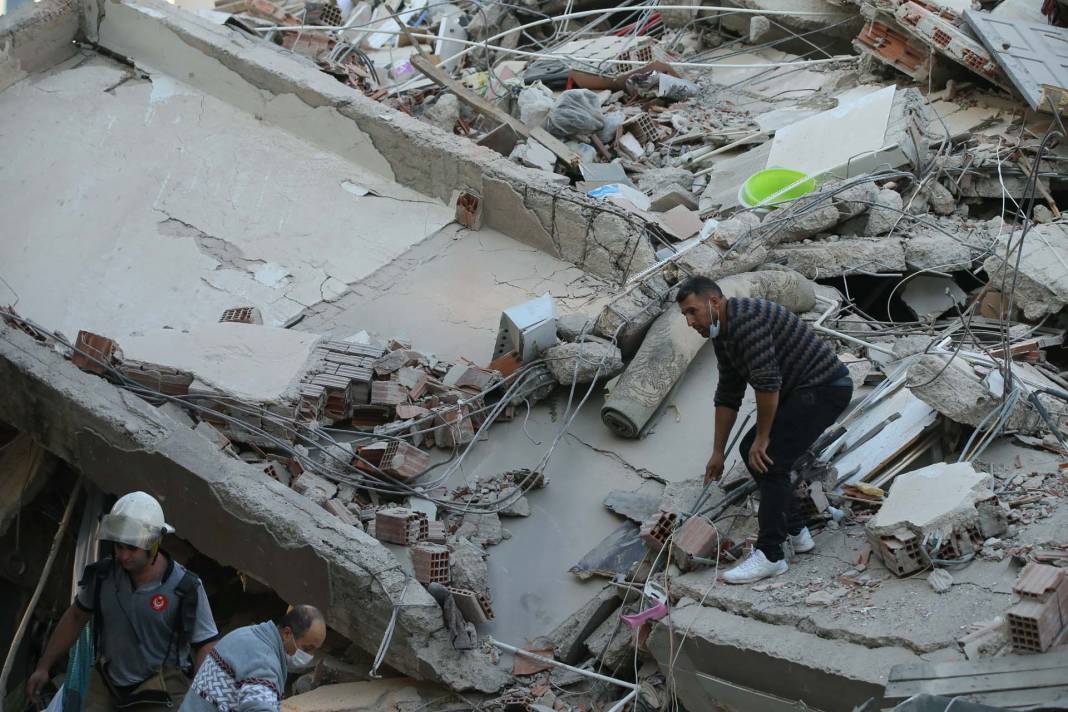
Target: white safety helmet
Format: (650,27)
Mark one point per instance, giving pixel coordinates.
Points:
(135,520)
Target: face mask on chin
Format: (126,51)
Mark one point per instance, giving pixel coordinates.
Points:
(713,328)
(298,660)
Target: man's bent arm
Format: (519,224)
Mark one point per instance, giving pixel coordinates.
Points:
(725,418)
(64,636)
(767,405)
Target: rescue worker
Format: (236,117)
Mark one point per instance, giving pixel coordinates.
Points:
(246,671)
(151,620)
(801,388)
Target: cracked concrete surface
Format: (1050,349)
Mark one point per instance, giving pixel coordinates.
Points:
(891,613)
(191,206)
(447,293)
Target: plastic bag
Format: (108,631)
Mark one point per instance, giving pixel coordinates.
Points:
(535,103)
(577,112)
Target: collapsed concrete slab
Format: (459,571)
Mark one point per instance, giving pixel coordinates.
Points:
(259,527)
(270,83)
(725,653)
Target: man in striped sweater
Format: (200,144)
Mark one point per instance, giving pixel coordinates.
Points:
(801,388)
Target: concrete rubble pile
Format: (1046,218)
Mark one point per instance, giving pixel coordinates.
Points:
(900,194)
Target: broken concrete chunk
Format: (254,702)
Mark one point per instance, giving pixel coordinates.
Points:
(443,113)
(1042,286)
(569,637)
(820,260)
(396,693)
(958,393)
(518,507)
(707,260)
(635,506)
(484,529)
(570,327)
(855,200)
(612,643)
(315,488)
(934,250)
(759,26)
(583,362)
(942,202)
(824,597)
(1042,214)
(885,213)
(533,155)
(177,413)
(939,498)
(656,178)
(733,229)
(468,564)
(801,221)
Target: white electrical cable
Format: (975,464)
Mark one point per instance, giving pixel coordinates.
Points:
(552,55)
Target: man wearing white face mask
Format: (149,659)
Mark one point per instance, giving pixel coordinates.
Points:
(800,388)
(246,671)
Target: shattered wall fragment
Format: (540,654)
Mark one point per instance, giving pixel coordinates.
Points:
(260,526)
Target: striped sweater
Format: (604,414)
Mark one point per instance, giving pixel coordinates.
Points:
(765,345)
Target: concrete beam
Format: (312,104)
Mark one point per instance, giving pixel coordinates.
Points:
(290,92)
(231,511)
(831,675)
(35,37)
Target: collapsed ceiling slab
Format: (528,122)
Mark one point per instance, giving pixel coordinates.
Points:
(258,526)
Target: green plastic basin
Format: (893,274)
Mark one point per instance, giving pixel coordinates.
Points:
(762,185)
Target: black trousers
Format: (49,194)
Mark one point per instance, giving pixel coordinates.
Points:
(801,418)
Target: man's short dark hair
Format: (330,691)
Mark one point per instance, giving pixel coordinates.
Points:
(698,285)
(300,619)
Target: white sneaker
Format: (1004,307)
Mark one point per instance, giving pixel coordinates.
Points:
(802,541)
(755,567)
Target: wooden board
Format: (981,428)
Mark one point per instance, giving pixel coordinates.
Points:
(486,108)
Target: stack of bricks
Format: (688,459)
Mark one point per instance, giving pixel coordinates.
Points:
(431,563)
(401,526)
(344,372)
(1040,620)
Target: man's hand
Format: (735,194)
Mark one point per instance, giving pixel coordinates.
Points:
(34,684)
(758,455)
(714,468)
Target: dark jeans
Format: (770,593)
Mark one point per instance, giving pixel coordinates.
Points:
(800,420)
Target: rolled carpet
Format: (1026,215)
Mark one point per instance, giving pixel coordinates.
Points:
(666,352)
